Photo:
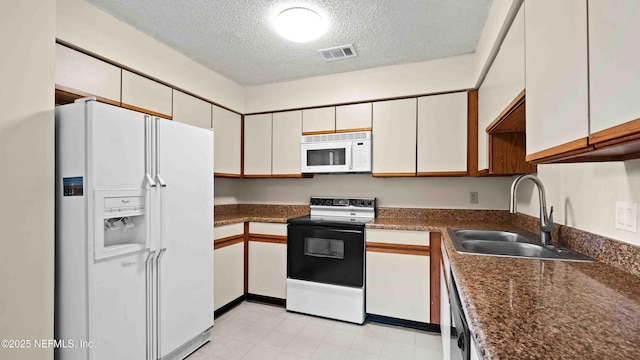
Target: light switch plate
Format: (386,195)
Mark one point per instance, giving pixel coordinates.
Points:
(627,216)
(473,197)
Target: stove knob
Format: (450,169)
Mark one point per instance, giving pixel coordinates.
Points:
(360,202)
(369,203)
(327,202)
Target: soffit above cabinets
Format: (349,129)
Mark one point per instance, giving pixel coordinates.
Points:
(237,40)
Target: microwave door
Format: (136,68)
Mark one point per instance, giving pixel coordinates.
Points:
(325,158)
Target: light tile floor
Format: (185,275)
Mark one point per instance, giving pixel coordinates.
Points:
(266,332)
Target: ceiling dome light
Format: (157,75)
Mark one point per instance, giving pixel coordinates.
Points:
(300,24)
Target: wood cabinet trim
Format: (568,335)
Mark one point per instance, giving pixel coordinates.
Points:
(442,173)
(557,152)
(288,176)
(507,123)
(227,241)
(435,240)
(142,110)
(256,176)
(472,133)
(246,257)
(274,239)
(227,175)
(619,131)
(353,130)
(321,132)
(406,249)
(394,174)
(68,95)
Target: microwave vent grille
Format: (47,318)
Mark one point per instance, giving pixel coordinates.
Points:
(335,137)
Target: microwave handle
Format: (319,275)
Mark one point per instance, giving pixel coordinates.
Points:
(349,159)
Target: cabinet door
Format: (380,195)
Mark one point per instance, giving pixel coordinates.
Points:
(257,145)
(356,117)
(398,284)
(268,260)
(442,134)
(145,95)
(394,137)
(556,76)
(228,264)
(227,127)
(614,70)
(191,110)
(321,120)
(228,283)
(287,129)
(86,75)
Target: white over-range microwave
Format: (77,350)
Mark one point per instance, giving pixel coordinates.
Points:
(348,152)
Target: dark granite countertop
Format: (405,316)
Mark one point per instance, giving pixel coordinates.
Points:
(540,309)
(524,308)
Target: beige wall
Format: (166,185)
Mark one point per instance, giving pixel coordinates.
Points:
(85,26)
(448,74)
(27,35)
(584,195)
(452,193)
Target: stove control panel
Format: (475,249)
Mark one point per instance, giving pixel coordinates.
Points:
(337,202)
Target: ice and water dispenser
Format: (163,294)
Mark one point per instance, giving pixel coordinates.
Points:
(121,222)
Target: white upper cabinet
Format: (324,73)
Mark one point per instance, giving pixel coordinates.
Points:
(145,95)
(394,137)
(77,72)
(319,120)
(556,75)
(287,129)
(503,83)
(257,145)
(227,127)
(356,117)
(191,110)
(442,134)
(614,69)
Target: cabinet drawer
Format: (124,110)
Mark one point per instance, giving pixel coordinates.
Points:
(268,228)
(405,237)
(223,231)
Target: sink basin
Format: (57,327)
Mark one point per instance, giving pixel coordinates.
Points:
(509,244)
(492,235)
(507,249)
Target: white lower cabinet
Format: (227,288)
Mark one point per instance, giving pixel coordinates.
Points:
(228,265)
(268,259)
(228,274)
(397,284)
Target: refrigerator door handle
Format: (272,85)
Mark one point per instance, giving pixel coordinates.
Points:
(158,313)
(157,151)
(148,298)
(147,151)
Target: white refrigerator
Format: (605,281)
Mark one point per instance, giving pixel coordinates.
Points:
(134,234)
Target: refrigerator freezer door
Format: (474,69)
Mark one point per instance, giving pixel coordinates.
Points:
(116,147)
(118,308)
(185,165)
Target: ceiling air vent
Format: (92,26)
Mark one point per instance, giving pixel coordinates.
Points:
(338,52)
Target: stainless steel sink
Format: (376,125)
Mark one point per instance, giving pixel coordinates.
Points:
(493,235)
(509,244)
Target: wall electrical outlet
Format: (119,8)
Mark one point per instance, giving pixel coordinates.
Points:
(473,197)
(627,216)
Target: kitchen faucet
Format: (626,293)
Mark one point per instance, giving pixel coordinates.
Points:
(546,221)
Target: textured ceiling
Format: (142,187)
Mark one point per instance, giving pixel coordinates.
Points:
(236,38)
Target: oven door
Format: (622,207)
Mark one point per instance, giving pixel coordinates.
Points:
(326,255)
(326,157)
